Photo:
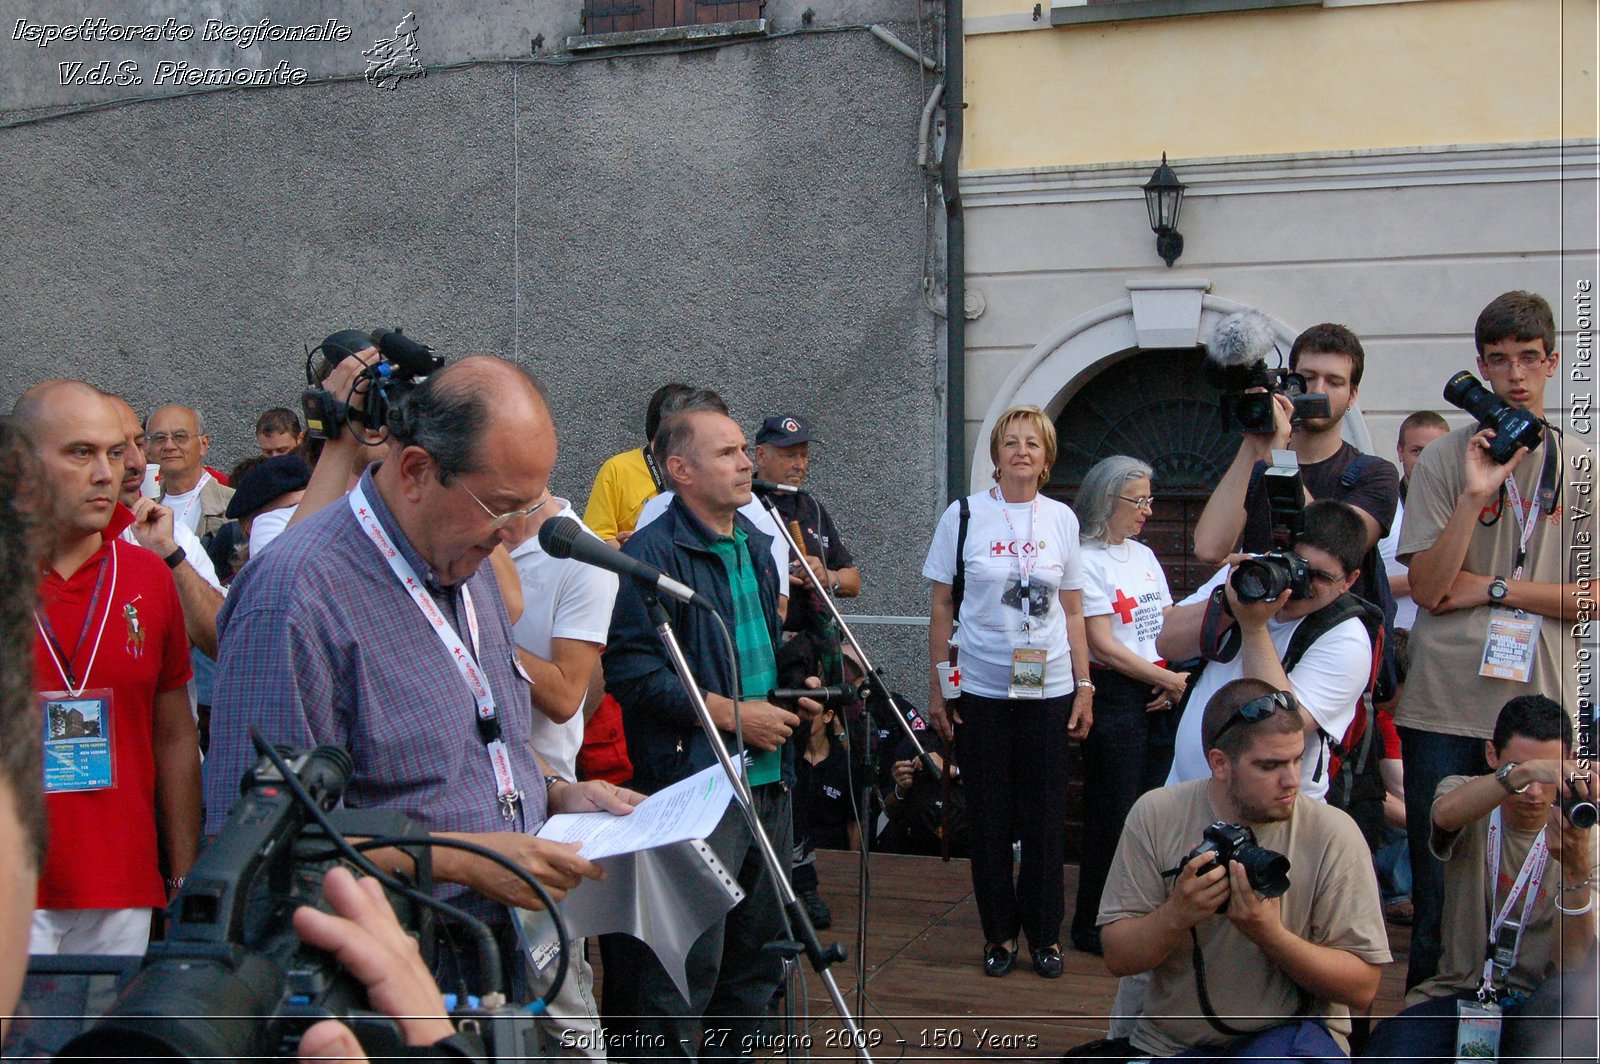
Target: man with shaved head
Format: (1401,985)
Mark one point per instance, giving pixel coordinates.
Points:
(176,438)
(374,625)
(122,764)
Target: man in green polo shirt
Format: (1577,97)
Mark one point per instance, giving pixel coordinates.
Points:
(703,541)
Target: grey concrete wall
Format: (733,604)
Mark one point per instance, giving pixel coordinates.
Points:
(748,218)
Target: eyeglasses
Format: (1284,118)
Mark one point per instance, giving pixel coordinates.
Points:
(1257,710)
(1326,579)
(160,439)
(499,521)
(1499,363)
(1146,503)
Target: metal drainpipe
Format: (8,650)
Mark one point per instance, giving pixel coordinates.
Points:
(955,264)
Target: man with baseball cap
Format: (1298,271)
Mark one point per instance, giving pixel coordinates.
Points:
(783,456)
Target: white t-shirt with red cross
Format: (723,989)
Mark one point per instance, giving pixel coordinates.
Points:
(999,614)
(1126,582)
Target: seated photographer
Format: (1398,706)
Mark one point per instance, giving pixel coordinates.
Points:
(403,653)
(1327,678)
(1510,852)
(1249,956)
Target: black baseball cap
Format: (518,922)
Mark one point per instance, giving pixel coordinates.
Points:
(276,476)
(784,430)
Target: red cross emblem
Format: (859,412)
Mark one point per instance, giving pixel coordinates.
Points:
(1123,606)
(997,548)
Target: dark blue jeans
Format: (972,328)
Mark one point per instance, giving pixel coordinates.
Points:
(1547,1023)
(1429,757)
(1013,757)
(1128,752)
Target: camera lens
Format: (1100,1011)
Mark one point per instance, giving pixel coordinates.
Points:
(1267,870)
(1581,815)
(1260,579)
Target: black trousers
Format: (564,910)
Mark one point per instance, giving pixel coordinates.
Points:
(1127,752)
(1013,757)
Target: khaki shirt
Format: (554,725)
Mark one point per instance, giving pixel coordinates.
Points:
(1332,901)
(1444,693)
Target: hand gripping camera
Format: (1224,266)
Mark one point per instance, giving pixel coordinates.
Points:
(232,980)
(404,364)
(1267,870)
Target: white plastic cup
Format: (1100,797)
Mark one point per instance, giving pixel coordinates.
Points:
(949,679)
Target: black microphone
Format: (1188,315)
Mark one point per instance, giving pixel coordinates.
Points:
(563,537)
(841,694)
(771,487)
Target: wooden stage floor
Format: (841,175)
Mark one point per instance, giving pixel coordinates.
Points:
(927,995)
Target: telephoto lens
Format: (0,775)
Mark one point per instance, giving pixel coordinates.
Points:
(1513,428)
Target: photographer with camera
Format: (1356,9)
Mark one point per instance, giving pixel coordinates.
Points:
(1519,900)
(1275,901)
(1249,625)
(1485,538)
(375,626)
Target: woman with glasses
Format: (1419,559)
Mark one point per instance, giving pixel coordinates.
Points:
(1125,599)
(1024,684)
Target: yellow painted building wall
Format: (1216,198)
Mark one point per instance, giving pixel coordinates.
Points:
(1269,82)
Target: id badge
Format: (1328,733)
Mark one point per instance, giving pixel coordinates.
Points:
(1027,673)
(1477,1031)
(1509,649)
(538,940)
(77,740)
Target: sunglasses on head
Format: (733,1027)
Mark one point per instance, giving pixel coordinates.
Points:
(1257,710)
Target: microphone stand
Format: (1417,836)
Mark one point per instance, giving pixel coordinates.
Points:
(874,680)
(799,923)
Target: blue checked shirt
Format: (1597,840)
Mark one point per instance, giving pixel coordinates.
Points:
(319,643)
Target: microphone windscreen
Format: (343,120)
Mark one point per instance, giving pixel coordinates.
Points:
(1242,339)
(558,534)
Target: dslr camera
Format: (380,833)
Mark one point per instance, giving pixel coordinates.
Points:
(232,980)
(1267,870)
(403,364)
(1236,365)
(1513,428)
(1266,576)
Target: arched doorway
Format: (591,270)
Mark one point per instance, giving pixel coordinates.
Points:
(1156,406)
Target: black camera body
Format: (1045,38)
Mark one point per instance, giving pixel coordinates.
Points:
(1267,870)
(402,365)
(1251,412)
(232,980)
(1513,428)
(1266,576)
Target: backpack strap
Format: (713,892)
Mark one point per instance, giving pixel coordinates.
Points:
(958,585)
(1322,622)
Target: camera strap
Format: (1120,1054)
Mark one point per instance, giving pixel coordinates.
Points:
(653,469)
(1198,961)
(1502,958)
(466,662)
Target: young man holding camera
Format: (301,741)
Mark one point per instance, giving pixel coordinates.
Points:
(1329,677)
(1284,971)
(1331,359)
(1520,904)
(1495,583)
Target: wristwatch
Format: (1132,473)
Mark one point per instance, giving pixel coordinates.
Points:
(1502,776)
(1497,589)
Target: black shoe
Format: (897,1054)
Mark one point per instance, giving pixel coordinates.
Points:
(1048,962)
(998,960)
(1088,942)
(816,909)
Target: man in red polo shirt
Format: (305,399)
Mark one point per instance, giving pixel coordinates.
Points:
(122,766)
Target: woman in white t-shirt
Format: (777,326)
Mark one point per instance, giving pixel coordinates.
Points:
(1125,599)
(1024,675)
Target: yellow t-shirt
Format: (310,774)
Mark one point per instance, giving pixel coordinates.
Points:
(621,488)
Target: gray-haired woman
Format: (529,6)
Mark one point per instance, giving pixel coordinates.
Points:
(1125,598)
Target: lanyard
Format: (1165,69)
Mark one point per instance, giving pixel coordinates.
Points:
(466,662)
(1524,525)
(1027,554)
(194,500)
(58,654)
(1531,875)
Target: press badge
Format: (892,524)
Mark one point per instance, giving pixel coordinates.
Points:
(1477,1031)
(77,740)
(1027,672)
(1512,642)
(538,939)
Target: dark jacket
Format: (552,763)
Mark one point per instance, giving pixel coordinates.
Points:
(665,740)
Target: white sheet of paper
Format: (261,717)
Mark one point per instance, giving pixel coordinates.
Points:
(689,809)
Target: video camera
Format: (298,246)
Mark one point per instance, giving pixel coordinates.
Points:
(403,364)
(232,980)
(1236,364)
(1513,428)
(1267,870)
